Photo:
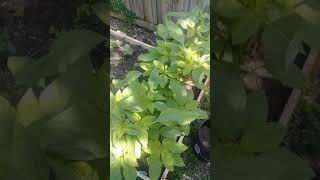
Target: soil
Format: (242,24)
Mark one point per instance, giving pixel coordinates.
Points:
(194,169)
(204,136)
(134,31)
(303,136)
(120,64)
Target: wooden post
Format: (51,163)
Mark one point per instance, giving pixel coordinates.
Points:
(293,100)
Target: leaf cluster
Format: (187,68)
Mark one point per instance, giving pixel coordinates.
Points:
(280,28)
(245,144)
(58,128)
(183,49)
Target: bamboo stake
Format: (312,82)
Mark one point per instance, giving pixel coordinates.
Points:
(130,40)
(142,176)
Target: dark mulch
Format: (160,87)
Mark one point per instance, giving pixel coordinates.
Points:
(120,64)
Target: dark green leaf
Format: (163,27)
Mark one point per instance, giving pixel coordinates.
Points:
(154,148)
(245,27)
(54,98)
(160,106)
(24,70)
(283,31)
(263,139)
(147,57)
(65,170)
(170,132)
(178,161)
(129,173)
(229,101)
(154,79)
(175,32)
(185,129)
(68,48)
(28,109)
(163,80)
(179,90)
(256,111)
(19,152)
(230,9)
(167,159)
(155,167)
(172,116)
(162,31)
(77,133)
(173,146)
(115,170)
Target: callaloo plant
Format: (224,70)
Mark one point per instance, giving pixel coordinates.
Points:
(57,130)
(182,51)
(149,112)
(264,36)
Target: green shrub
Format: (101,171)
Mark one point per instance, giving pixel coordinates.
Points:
(149,112)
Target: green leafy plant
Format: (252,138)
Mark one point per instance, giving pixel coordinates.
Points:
(246,145)
(127,50)
(182,50)
(60,130)
(149,112)
(115,43)
(149,124)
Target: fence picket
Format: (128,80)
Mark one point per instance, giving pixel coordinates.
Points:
(153,11)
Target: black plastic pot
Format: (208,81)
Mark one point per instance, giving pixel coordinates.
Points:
(202,142)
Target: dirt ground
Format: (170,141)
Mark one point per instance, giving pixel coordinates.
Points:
(120,64)
(135,32)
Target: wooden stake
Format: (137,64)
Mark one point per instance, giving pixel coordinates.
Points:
(142,176)
(130,40)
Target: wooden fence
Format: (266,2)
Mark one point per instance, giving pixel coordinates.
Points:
(153,11)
